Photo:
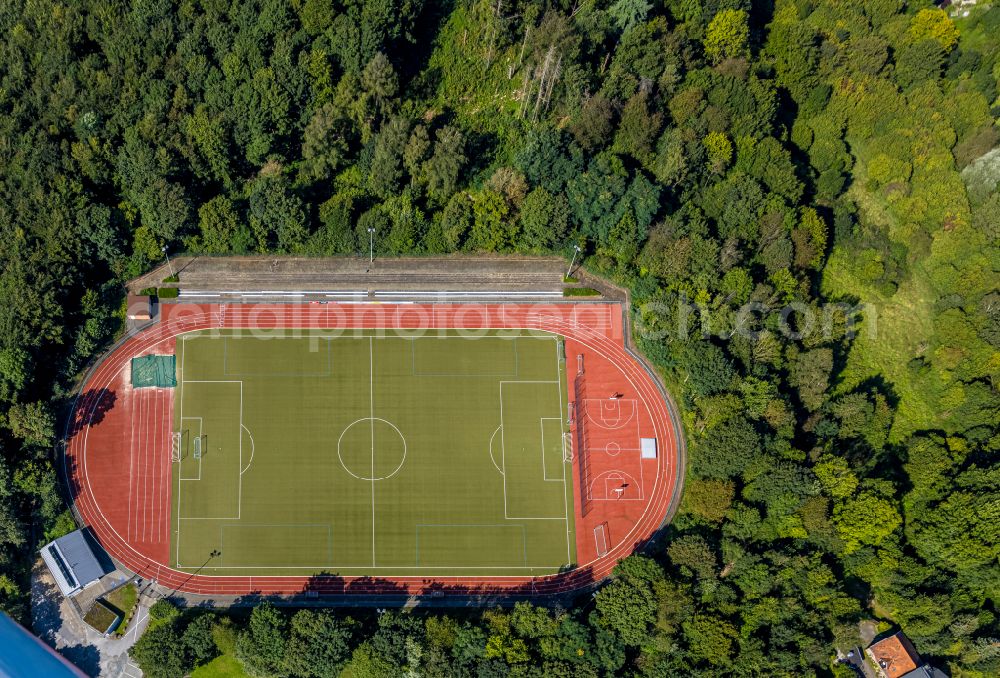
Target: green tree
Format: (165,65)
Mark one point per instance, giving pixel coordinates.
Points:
(262,646)
(719,149)
(319,645)
(15,366)
(208,135)
(387,161)
(629,13)
(810,373)
(222,229)
(197,639)
(33,423)
(727,450)
(277,216)
(627,606)
(442,169)
(692,554)
(544,219)
(594,123)
(710,639)
(727,35)
(708,499)
(638,128)
(160,653)
(933,24)
(11,528)
(456,221)
(835,476)
(492,229)
(865,520)
(324,144)
(163,610)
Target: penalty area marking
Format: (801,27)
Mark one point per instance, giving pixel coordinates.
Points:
(239,495)
(492,458)
(253,448)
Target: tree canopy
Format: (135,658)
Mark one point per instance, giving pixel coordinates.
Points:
(802,199)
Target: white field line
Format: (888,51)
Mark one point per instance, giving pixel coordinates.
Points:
(371,410)
(492,437)
(503,454)
(559,388)
(541,426)
(253,449)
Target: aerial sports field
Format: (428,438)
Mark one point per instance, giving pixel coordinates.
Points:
(371,452)
(249,448)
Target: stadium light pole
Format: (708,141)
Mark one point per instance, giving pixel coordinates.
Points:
(371,248)
(170,266)
(576,251)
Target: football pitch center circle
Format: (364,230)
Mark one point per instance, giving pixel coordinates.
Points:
(371,448)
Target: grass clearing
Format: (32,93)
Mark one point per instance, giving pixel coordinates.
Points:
(100,617)
(124,598)
(371,454)
(223,666)
(902,330)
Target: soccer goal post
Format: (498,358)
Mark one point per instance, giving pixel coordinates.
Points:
(601,540)
(197,447)
(567,446)
(175,447)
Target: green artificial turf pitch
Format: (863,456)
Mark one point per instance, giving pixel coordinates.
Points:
(371,454)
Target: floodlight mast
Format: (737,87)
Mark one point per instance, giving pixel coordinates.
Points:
(170,266)
(576,251)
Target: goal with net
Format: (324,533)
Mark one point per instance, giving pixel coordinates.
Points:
(175,447)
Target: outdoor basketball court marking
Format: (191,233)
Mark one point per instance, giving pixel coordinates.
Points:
(616,485)
(371,476)
(617,437)
(612,415)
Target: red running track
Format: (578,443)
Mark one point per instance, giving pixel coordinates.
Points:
(117,458)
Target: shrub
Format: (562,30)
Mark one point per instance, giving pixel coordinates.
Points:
(224,636)
(163,610)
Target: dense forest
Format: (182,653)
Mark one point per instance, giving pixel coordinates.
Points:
(802,196)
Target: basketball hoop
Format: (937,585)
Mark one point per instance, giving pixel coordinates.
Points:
(619,491)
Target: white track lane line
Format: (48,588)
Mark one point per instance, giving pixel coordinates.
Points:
(133,403)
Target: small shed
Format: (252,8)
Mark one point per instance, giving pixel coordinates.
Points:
(139,307)
(72,562)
